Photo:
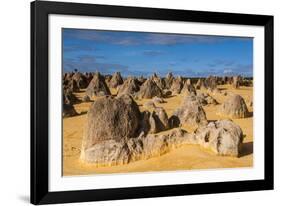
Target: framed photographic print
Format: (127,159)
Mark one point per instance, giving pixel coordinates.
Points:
(131,102)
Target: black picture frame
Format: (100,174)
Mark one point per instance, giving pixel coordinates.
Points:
(39,102)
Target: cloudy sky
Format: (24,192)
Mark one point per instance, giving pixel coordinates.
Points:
(139,53)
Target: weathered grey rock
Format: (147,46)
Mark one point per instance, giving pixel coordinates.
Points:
(106,153)
(112,152)
(141,80)
(155,145)
(147,124)
(161,119)
(237,81)
(111,119)
(169,80)
(188,88)
(69,97)
(206,99)
(177,85)
(191,112)
(158,81)
(234,107)
(107,79)
(199,84)
(116,80)
(149,89)
(155,121)
(210,83)
(97,86)
(201,98)
(81,80)
(129,87)
(72,86)
(211,100)
(223,137)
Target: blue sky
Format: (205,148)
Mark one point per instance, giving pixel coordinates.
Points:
(142,53)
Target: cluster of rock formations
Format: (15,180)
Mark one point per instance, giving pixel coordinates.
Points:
(117,132)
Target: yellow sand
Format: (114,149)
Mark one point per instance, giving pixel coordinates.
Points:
(184,158)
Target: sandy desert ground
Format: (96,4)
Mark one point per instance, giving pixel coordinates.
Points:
(186,157)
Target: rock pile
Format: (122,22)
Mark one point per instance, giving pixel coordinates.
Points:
(223,137)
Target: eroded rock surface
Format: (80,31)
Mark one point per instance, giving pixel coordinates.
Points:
(191,112)
(234,107)
(149,89)
(223,137)
(97,86)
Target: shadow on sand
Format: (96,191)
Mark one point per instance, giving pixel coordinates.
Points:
(250,114)
(247,149)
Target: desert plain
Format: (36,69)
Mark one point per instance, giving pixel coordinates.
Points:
(184,157)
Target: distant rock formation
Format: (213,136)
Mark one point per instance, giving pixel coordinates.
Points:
(72,86)
(188,88)
(210,83)
(116,80)
(177,85)
(234,107)
(237,82)
(169,80)
(129,87)
(159,81)
(199,84)
(97,86)
(149,89)
(81,80)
